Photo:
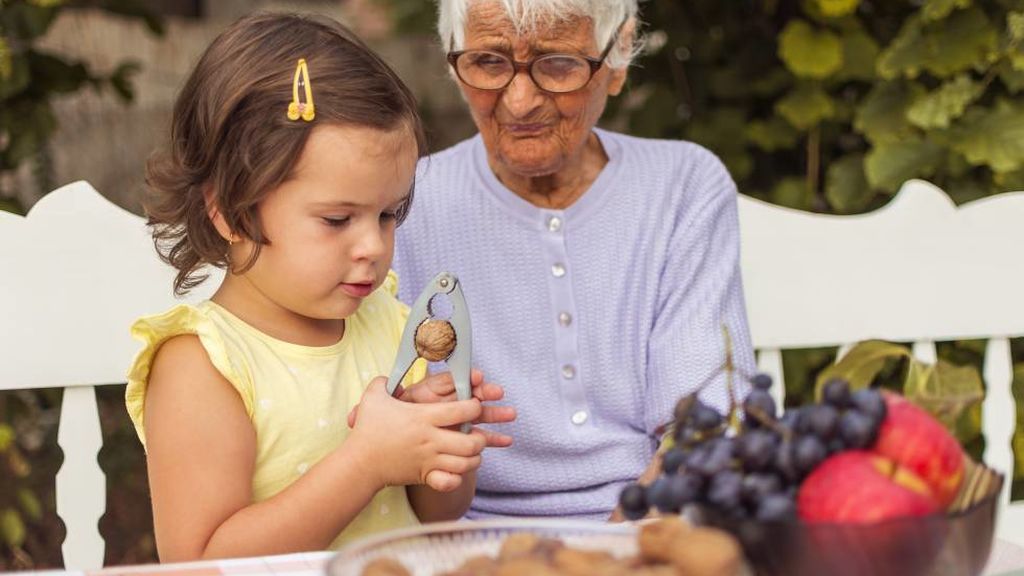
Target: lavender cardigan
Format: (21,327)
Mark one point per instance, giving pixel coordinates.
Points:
(595,319)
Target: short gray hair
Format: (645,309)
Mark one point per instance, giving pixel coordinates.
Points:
(528,15)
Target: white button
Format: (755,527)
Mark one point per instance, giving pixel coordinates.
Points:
(568,371)
(558,270)
(302,468)
(579,418)
(565,318)
(554,224)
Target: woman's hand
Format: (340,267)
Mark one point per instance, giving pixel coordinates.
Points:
(409,444)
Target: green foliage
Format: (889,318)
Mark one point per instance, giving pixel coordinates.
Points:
(30,78)
(946,390)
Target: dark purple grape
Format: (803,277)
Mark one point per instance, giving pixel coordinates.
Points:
(857,430)
(870,403)
(789,418)
(761,401)
(659,494)
(822,421)
(808,452)
(836,445)
(633,501)
(672,460)
(758,486)
(776,508)
(683,489)
(836,392)
(704,417)
(802,420)
(725,489)
(784,464)
(761,381)
(756,449)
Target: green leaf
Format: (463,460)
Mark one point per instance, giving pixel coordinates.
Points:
(809,52)
(992,137)
(30,126)
(882,116)
(860,54)
(53,74)
(26,21)
(793,192)
(861,364)
(1009,181)
(10,205)
(6,437)
(121,80)
(6,61)
(772,134)
(837,8)
(948,102)
(964,40)
(890,164)
(17,80)
(1012,78)
(943,389)
(1015,26)
(806,106)
(846,186)
(12,528)
(939,9)
(30,504)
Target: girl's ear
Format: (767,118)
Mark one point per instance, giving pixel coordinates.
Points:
(213,212)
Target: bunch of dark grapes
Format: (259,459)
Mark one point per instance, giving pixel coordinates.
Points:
(753,469)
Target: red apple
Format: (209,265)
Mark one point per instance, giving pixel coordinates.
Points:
(918,443)
(861,487)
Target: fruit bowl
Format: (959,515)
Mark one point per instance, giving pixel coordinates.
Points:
(943,544)
(434,548)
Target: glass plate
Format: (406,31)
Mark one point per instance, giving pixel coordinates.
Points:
(432,548)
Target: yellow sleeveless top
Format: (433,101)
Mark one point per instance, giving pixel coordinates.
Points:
(298,397)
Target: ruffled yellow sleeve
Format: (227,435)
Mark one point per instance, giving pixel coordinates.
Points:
(153,331)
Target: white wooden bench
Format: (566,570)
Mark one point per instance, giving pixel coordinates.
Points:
(78,270)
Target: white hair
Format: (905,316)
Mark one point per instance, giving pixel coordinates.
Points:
(529,15)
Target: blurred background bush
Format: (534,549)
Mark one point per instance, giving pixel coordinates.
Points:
(821,105)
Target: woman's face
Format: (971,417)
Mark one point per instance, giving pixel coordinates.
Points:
(527,131)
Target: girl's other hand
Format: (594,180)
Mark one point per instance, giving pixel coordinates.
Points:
(440,387)
(406,442)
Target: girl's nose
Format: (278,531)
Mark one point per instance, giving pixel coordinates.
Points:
(373,243)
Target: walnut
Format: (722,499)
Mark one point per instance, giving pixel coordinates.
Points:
(435,340)
(659,539)
(708,552)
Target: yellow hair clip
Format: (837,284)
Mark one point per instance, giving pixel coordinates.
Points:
(297,109)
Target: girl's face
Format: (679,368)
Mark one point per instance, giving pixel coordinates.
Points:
(332,225)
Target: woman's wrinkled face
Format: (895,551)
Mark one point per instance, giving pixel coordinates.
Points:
(527,131)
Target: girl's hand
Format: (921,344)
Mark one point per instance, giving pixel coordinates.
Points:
(411,444)
(437,388)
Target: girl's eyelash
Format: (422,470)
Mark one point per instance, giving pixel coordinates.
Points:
(335,222)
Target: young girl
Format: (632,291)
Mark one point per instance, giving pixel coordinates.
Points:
(293,149)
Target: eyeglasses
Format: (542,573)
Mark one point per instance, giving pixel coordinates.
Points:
(558,73)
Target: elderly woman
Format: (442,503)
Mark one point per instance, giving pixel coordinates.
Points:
(599,268)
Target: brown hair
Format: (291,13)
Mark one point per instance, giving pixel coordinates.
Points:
(230,131)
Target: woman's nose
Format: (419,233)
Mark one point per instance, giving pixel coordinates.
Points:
(522,96)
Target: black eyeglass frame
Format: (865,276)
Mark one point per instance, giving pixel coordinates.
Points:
(517,66)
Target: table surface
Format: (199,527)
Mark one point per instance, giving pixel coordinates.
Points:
(1007,559)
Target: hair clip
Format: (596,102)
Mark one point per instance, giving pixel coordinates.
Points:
(297,109)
